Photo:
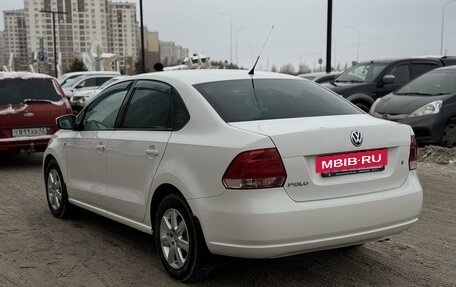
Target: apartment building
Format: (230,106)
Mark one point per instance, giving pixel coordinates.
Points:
(151,47)
(15,39)
(172,54)
(122,34)
(81,26)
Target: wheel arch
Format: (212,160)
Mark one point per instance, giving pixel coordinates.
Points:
(46,161)
(159,194)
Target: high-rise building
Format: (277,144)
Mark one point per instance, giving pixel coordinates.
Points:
(122,34)
(172,54)
(83,24)
(151,47)
(15,38)
(86,25)
(3,51)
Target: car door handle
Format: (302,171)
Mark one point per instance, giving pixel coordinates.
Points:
(151,151)
(100,147)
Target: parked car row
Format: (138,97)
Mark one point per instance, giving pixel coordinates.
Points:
(426,102)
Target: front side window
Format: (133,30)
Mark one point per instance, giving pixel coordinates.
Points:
(102,112)
(263,99)
(364,72)
(401,74)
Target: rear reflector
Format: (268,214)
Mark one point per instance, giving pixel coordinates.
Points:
(255,169)
(413,156)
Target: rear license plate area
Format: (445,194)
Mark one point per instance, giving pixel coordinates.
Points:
(351,163)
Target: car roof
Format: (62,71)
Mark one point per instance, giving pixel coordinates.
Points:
(192,77)
(446,68)
(390,60)
(23,75)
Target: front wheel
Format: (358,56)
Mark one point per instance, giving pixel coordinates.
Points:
(178,242)
(449,135)
(56,193)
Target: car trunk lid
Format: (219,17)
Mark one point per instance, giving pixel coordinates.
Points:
(300,141)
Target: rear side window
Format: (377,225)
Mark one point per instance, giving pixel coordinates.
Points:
(420,68)
(148,108)
(262,99)
(155,105)
(15,91)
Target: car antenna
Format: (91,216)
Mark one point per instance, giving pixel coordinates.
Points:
(252,71)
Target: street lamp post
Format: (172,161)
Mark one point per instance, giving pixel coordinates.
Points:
(53,35)
(357,36)
(443,23)
(236,42)
(143,53)
(231,35)
(329,37)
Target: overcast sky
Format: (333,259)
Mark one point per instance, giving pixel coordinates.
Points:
(387,28)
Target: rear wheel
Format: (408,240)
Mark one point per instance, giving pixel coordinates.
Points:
(178,240)
(449,135)
(56,193)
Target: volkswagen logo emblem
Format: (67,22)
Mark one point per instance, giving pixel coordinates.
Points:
(356,138)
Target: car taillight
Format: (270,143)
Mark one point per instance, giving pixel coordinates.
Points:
(413,156)
(262,168)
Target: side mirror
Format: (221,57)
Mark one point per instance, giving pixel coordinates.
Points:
(66,122)
(388,79)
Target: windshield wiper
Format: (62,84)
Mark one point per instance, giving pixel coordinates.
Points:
(415,93)
(351,81)
(37,101)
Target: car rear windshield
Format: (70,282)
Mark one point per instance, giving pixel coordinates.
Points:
(263,99)
(438,82)
(15,91)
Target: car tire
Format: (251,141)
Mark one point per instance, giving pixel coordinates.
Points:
(179,242)
(56,194)
(449,134)
(362,106)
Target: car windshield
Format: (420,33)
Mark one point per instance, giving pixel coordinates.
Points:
(364,72)
(439,82)
(263,99)
(71,82)
(109,82)
(15,91)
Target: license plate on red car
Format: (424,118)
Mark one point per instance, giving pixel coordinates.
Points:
(354,162)
(30,132)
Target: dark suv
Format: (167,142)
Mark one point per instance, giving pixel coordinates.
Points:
(363,83)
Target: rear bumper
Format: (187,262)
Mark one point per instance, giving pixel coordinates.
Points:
(9,145)
(268,223)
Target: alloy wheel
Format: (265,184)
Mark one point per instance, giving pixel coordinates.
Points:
(54,189)
(174,238)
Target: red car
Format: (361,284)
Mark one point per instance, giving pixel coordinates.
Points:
(29,105)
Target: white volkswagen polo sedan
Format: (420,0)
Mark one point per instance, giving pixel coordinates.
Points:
(223,162)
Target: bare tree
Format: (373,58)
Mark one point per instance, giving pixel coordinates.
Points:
(287,69)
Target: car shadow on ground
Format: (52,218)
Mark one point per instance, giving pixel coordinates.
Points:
(19,160)
(321,268)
